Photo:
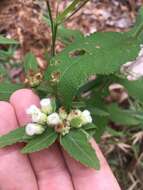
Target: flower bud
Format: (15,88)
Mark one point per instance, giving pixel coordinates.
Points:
(47,105)
(76,122)
(32,110)
(37,115)
(34,129)
(74,114)
(53,119)
(86,117)
(75,118)
(33,79)
(62,113)
(65,130)
(41,118)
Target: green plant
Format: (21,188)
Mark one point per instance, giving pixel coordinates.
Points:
(68,79)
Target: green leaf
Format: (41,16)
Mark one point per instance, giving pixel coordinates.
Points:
(5,55)
(13,137)
(6,41)
(101,53)
(115,133)
(101,123)
(44,89)
(122,116)
(89,126)
(77,145)
(138,115)
(98,112)
(138,27)
(41,142)
(67,36)
(30,62)
(3,71)
(7,88)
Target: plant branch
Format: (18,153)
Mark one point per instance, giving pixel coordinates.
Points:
(75,6)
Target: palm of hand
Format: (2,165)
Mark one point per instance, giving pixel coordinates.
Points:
(49,169)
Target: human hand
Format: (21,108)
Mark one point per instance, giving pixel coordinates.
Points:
(49,169)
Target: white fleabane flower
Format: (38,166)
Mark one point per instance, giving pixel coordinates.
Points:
(40,118)
(86,117)
(53,119)
(46,105)
(34,129)
(36,115)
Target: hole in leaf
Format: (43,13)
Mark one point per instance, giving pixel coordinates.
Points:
(78,52)
(57,62)
(55,76)
(98,46)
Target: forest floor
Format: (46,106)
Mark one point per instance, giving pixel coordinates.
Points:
(21,19)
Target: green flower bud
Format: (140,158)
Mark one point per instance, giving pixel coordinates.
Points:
(76,122)
(62,113)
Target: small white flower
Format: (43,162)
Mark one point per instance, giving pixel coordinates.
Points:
(74,114)
(86,117)
(53,119)
(32,110)
(37,115)
(75,119)
(34,129)
(40,118)
(46,105)
(65,130)
(86,113)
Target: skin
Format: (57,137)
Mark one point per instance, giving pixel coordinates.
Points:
(49,169)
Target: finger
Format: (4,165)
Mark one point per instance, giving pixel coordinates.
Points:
(15,170)
(85,178)
(48,164)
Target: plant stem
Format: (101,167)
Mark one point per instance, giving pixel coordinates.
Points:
(54,28)
(72,8)
(54,36)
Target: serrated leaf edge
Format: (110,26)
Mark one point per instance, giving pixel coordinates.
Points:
(98,164)
(24,149)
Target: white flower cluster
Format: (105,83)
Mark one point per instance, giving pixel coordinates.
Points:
(61,121)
